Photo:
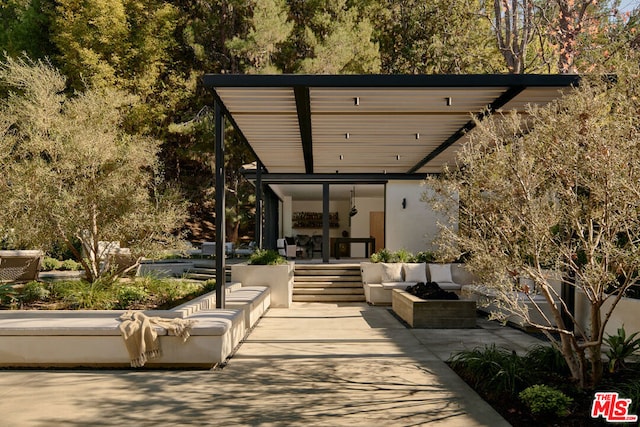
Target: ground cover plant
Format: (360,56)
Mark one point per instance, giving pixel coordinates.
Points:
(536,389)
(141,293)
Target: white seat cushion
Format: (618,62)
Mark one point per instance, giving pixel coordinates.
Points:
(392,272)
(415,272)
(397,285)
(440,273)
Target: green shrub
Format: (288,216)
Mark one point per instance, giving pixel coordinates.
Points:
(383,255)
(34,291)
(630,389)
(425,256)
(547,359)
(8,294)
(266,257)
(544,400)
(494,370)
(70,265)
(49,264)
(89,296)
(209,286)
(130,296)
(403,255)
(621,346)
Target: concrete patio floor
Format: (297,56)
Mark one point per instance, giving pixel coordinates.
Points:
(313,365)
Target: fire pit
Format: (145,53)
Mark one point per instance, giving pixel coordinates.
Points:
(433,313)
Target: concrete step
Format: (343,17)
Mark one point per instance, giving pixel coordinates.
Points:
(327,283)
(328,272)
(326,278)
(321,284)
(329,298)
(328,291)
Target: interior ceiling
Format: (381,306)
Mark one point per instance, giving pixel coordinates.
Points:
(341,192)
(375,124)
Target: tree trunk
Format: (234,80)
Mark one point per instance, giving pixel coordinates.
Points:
(595,356)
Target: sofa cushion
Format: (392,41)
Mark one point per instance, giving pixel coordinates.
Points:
(440,273)
(371,272)
(415,272)
(449,286)
(396,285)
(391,272)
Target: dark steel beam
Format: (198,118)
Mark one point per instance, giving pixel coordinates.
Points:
(220,205)
(507,96)
(303,106)
(390,80)
(342,178)
(325,223)
(259,205)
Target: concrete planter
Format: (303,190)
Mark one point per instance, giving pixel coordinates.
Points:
(172,268)
(277,277)
(625,314)
(436,314)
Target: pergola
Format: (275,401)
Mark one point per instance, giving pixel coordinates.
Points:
(330,129)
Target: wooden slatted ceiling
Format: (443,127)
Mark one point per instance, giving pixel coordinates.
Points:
(363,130)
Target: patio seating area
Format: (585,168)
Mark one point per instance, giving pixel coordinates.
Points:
(311,364)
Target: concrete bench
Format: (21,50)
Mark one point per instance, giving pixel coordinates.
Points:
(253,300)
(77,339)
(92,338)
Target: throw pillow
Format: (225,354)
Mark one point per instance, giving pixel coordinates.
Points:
(392,272)
(440,272)
(415,272)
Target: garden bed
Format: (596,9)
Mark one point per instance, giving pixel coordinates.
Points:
(499,375)
(141,293)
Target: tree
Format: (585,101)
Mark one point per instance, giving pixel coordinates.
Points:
(69,173)
(559,190)
(330,37)
(441,37)
(269,30)
(514,26)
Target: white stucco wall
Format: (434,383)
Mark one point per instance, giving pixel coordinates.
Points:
(360,222)
(287,210)
(414,228)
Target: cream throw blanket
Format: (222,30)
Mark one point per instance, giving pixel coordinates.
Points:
(141,339)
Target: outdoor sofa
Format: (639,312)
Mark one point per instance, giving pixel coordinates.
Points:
(379,279)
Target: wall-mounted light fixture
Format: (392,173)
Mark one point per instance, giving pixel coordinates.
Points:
(347,135)
(417,135)
(397,156)
(449,101)
(341,157)
(356,101)
(404,203)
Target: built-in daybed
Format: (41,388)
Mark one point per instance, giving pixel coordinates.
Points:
(92,338)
